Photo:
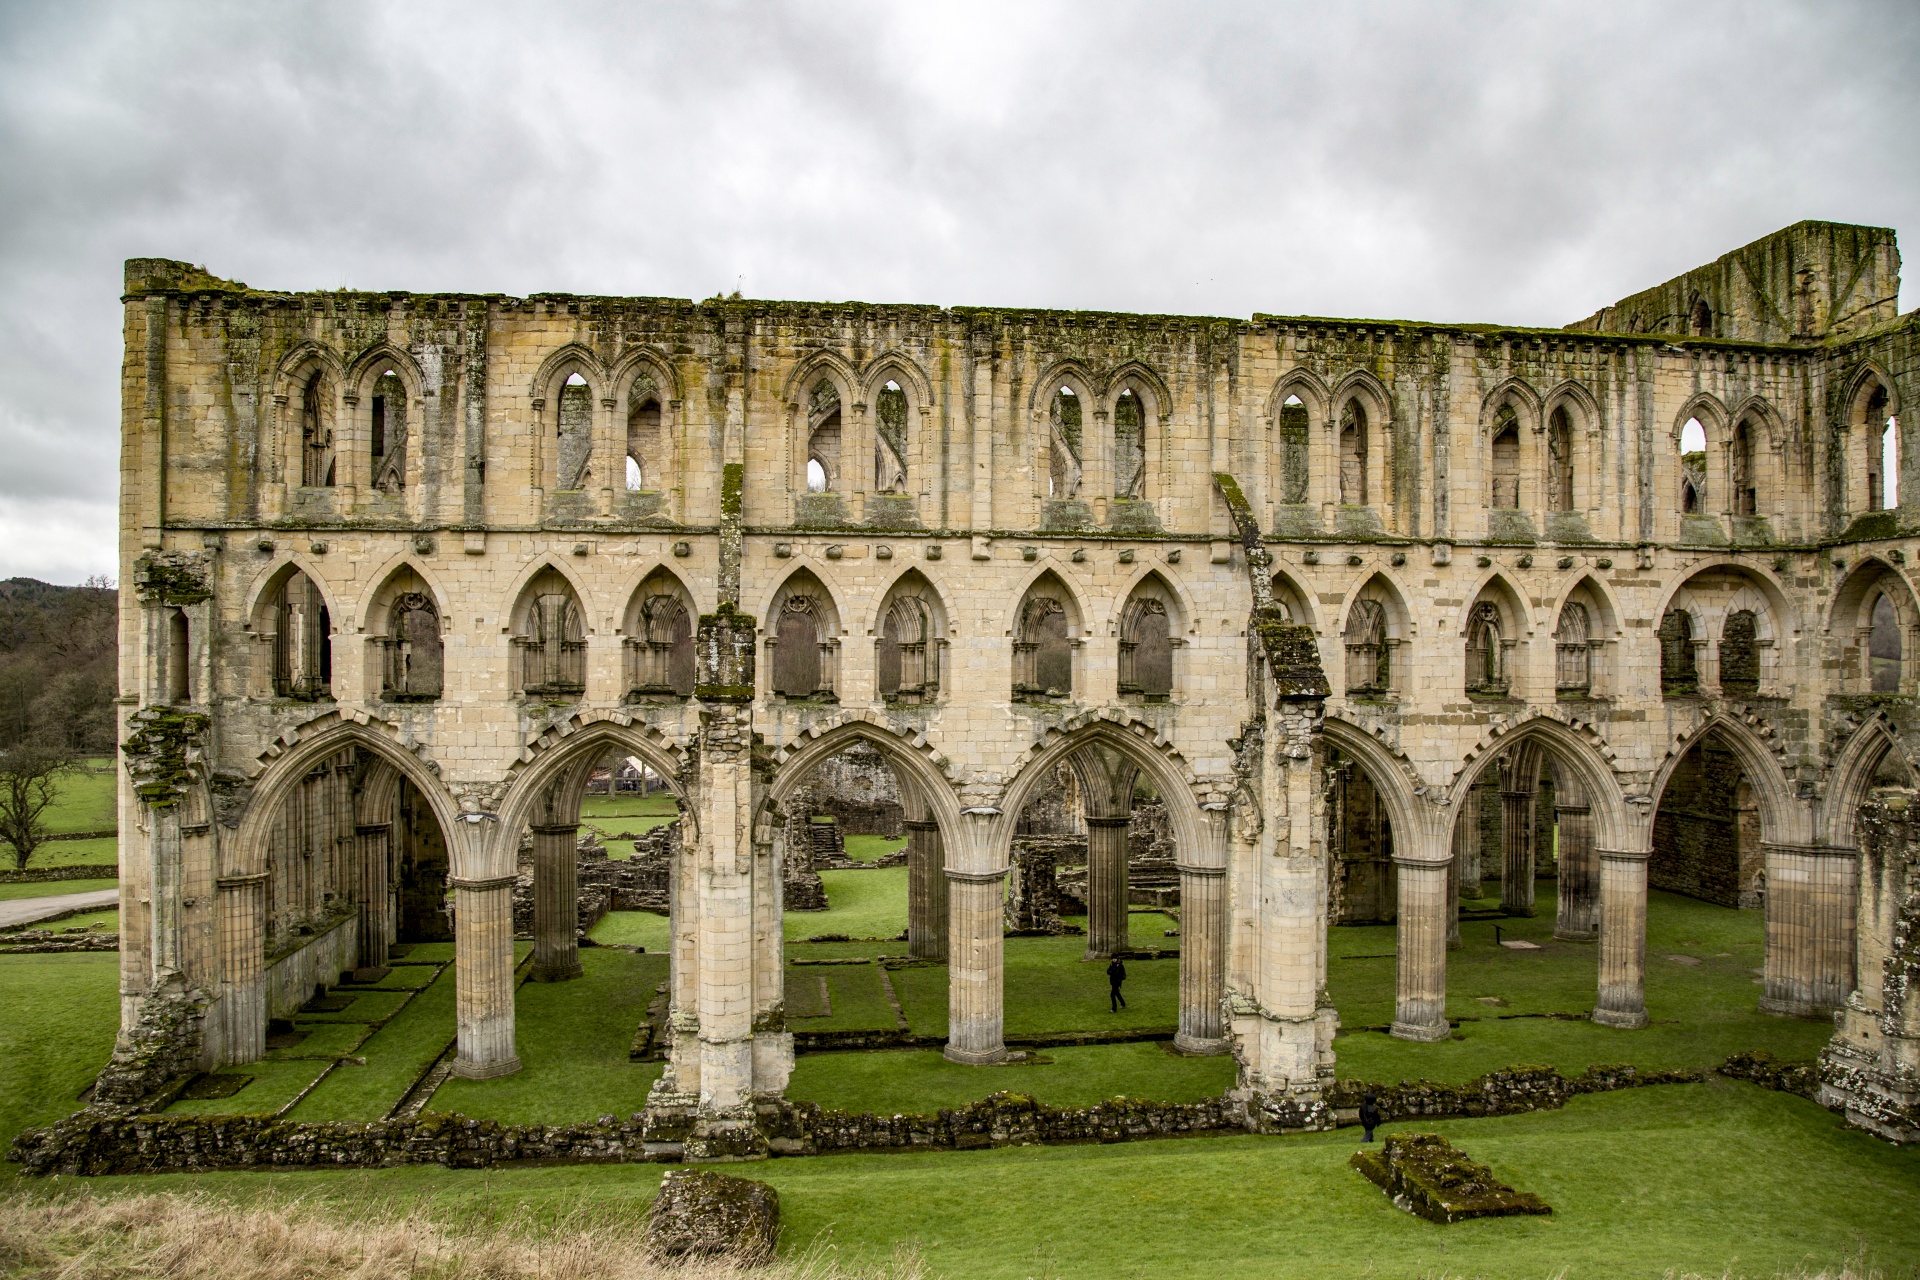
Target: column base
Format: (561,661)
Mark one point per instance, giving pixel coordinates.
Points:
(485,1070)
(724,1140)
(1523,913)
(556,972)
(1576,935)
(1200,1046)
(1420,1034)
(1781,1007)
(975,1057)
(1621,1020)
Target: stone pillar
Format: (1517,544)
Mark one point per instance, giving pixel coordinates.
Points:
(556,903)
(1106,885)
(1516,828)
(483,978)
(1622,998)
(376,893)
(242,1017)
(1203,951)
(1812,896)
(1420,995)
(1578,915)
(1466,844)
(926,892)
(976,1014)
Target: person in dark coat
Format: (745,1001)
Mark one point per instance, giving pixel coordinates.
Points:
(1370,1116)
(1116,974)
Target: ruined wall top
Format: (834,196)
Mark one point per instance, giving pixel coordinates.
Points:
(1810,281)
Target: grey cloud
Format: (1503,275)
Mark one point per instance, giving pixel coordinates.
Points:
(1517,162)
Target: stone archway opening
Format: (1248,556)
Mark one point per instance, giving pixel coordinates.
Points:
(1706,830)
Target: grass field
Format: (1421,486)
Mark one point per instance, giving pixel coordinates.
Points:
(52,888)
(1693,1177)
(628,813)
(58,1016)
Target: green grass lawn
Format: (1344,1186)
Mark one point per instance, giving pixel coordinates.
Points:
(873,848)
(86,801)
(99,851)
(633,929)
(628,813)
(96,921)
(52,888)
(861,904)
(920,1080)
(58,1015)
(1692,1177)
(396,1055)
(573,1039)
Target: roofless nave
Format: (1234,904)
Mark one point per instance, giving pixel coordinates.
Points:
(409,565)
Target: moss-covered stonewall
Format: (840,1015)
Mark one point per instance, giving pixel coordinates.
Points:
(156,752)
(169,580)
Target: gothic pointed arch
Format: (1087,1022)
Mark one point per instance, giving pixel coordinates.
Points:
(548,625)
(292,623)
(1873,627)
(657,637)
(802,631)
(405,622)
(1575,748)
(1139,745)
(1150,634)
(1046,628)
(1863,757)
(1375,626)
(909,635)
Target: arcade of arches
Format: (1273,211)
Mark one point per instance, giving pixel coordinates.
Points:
(1280,623)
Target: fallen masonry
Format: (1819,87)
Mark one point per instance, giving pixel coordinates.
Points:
(1426,1175)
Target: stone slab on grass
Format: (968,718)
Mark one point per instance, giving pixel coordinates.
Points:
(710,1214)
(1428,1176)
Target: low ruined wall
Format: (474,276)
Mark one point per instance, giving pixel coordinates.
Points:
(93,1144)
(81,871)
(291,979)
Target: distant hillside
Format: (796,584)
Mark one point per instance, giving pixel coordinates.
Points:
(58,649)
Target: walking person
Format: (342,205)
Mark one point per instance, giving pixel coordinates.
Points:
(1370,1116)
(1116,974)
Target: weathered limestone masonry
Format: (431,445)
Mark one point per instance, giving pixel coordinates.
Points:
(406,567)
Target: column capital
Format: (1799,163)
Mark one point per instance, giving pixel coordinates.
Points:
(1624,855)
(243,881)
(1195,869)
(928,825)
(977,877)
(1092,821)
(553,828)
(481,886)
(1434,864)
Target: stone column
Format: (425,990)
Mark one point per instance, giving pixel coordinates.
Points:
(1578,915)
(926,892)
(1106,885)
(1812,896)
(1466,844)
(243,999)
(375,892)
(556,903)
(1622,998)
(483,978)
(976,972)
(1420,995)
(1516,829)
(1203,945)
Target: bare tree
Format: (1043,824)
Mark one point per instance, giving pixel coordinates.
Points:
(28,773)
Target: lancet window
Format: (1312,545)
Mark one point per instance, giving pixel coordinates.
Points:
(823,438)
(1353,454)
(1129,446)
(1064,452)
(662,654)
(1560,460)
(316,434)
(800,663)
(1573,653)
(1679,668)
(387,436)
(1740,655)
(552,645)
(1486,655)
(1369,656)
(412,659)
(1883,646)
(302,648)
(575,432)
(1042,651)
(908,661)
(1506,458)
(890,440)
(647,452)
(1146,650)
(1295,442)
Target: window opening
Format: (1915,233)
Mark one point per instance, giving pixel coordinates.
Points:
(1042,652)
(1889,465)
(1129,446)
(415,665)
(1506,458)
(646,447)
(1693,467)
(316,436)
(177,685)
(1368,655)
(1146,650)
(1560,460)
(1573,655)
(823,438)
(890,440)
(1883,646)
(798,640)
(1486,657)
(1746,498)
(575,431)
(553,647)
(1295,440)
(1353,454)
(666,647)
(1679,673)
(1702,318)
(389,434)
(908,665)
(302,651)
(1740,655)
(1063,468)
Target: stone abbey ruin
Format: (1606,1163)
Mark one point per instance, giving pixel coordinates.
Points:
(1357,610)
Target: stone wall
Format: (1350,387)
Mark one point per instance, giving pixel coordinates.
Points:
(858,789)
(1696,833)
(293,979)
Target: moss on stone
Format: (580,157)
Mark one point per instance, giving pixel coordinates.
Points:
(169,580)
(156,752)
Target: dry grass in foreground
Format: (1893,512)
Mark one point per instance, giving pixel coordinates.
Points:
(195,1237)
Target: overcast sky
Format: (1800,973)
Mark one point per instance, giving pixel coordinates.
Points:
(1523,163)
